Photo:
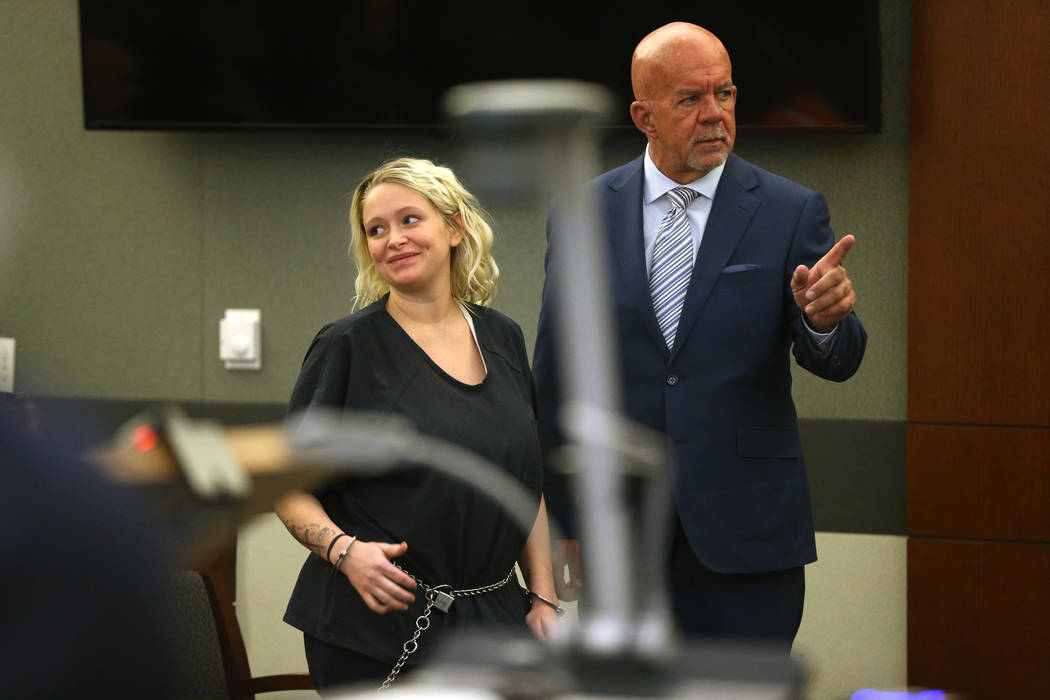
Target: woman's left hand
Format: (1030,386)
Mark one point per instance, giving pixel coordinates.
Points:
(542,621)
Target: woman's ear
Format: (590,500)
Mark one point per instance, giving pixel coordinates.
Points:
(455,233)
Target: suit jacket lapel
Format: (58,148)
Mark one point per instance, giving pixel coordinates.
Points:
(731,212)
(623,216)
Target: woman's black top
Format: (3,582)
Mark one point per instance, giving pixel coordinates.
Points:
(455,535)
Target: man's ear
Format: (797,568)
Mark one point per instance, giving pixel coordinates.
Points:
(642,117)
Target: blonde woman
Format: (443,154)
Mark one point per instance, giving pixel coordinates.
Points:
(422,344)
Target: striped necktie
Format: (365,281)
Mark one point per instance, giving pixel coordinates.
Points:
(672,263)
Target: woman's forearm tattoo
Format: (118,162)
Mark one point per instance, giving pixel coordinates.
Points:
(313,535)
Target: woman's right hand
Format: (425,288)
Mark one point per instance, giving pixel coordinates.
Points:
(369,567)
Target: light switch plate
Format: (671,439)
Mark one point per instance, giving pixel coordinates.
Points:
(7,364)
(240,339)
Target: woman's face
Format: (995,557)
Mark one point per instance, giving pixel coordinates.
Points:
(408,239)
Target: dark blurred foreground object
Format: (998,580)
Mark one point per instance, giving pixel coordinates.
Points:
(98,607)
(22,412)
(83,612)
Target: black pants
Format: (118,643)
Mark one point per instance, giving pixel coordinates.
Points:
(332,667)
(765,606)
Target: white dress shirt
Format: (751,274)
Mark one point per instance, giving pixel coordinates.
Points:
(655,205)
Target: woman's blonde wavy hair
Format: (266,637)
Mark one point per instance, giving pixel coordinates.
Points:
(474,271)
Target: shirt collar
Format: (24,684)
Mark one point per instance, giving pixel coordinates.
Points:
(657,184)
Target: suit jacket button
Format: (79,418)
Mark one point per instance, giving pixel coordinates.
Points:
(672,380)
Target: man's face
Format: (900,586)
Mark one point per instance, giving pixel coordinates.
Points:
(689,114)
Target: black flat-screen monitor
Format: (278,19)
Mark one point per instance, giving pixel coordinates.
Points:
(337,64)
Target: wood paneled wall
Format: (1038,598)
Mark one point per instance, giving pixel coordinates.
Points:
(979,348)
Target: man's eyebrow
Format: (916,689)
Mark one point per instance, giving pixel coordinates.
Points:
(696,91)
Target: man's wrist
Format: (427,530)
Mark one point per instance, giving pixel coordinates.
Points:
(818,334)
(819,338)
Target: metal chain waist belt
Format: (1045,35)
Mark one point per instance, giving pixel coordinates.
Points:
(440,597)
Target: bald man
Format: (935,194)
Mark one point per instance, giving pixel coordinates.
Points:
(721,271)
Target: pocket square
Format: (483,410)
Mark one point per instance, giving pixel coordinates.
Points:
(740,268)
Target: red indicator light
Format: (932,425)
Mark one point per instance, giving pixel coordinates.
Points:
(144,438)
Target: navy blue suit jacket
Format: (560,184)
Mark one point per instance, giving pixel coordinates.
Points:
(723,393)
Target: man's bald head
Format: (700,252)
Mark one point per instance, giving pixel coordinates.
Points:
(660,49)
(684,100)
